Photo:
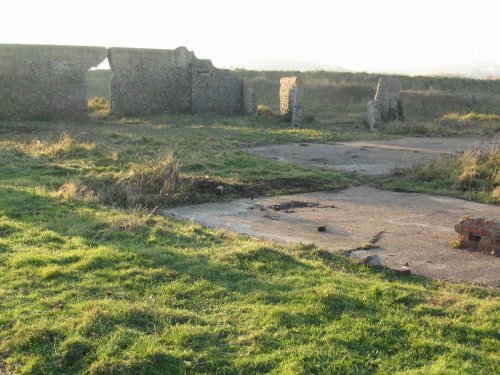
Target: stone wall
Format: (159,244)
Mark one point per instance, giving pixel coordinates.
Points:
(479,234)
(48,82)
(45,82)
(387,105)
(292,100)
(215,90)
(147,81)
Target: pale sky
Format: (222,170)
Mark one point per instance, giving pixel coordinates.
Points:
(371,35)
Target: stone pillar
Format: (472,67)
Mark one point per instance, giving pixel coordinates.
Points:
(292,100)
(249,106)
(387,105)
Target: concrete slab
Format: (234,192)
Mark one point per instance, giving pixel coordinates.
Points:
(372,157)
(416,228)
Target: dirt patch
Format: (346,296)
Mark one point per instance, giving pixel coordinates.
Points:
(251,188)
(402,228)
(373,157)
(293,204)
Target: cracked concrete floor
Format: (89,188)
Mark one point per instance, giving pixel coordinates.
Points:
(372,157)
(417,228)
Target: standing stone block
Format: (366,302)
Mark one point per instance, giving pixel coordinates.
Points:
(44,81)
(292,100)
(249,99)
(373,111)
(387,105)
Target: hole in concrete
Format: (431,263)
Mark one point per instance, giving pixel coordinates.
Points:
(474,237)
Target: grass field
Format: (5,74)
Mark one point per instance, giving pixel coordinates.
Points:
(93,281)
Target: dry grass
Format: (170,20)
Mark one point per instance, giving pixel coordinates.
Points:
(98,108)
(149,182)
(469,118)
(472,175)
(480,169)
(65,146)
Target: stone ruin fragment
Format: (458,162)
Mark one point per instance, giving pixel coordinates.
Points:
(478,234)
(387,105)
(292,100)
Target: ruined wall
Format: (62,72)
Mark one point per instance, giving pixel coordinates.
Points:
(45,82)
(387,105)
(147,81)
(40,82)
(292,100)
(215,90)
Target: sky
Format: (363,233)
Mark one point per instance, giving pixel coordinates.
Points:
(377,35)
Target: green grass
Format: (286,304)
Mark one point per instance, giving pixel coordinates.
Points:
(89,286)
(82,291)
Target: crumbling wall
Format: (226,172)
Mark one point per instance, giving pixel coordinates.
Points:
(215,90)
(292,100)
(387,105)
(479,234)
(147,81)
(40,82)
(45,82)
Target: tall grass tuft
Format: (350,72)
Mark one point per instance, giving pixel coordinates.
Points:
(148,183)
(98,108)
(65,146)
(472,174)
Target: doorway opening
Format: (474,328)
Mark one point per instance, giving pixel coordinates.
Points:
(98,93)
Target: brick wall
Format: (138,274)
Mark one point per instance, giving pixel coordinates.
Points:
(479,234)
(45,82)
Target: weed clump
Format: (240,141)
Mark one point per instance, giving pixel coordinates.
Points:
(265,111)
(474,174)
(66,146)
(98,108)
(148,183)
